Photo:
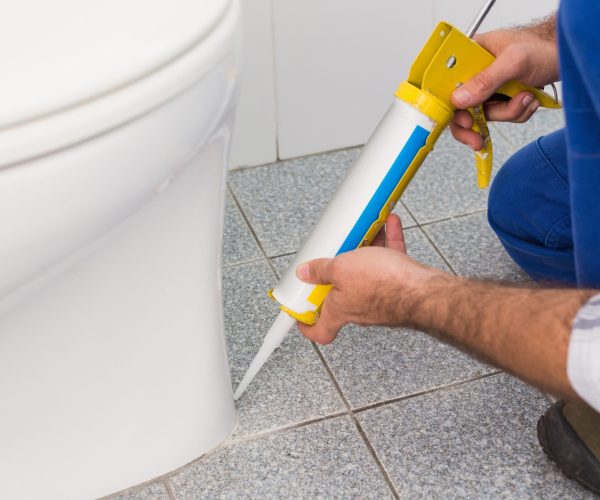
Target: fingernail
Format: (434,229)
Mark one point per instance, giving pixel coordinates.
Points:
(302,272)
(527,100)
(535,107)
(463,96)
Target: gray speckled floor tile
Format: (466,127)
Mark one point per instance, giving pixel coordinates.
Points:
(154,491)
(407,219)
(281,263)
(446,184)
(327,459)
(378,364)
(473,249)
(477,440)
(238,243)
(420,249)
(293,386)
(541,123)
(284,200)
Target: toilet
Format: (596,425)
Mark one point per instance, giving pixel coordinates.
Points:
(115,124)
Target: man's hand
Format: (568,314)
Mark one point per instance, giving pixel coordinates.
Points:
(528,55)
(372,285)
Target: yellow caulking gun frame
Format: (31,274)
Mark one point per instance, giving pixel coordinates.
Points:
(448,59)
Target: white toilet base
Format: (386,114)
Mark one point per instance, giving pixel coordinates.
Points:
(113,373)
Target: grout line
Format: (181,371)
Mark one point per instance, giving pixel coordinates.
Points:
(279,430)
(283,255)
(293,158)
(241,263)
(359,428)
(401,202)
(379,463)
(428,391)
(169,488)
(243,168)
(326,152)
(409,213)
(254,235)
(275,85)
(442,256)
(454,217)
(435,247)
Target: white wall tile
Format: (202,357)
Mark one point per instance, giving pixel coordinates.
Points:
(337,65)
(504,13)
(254,140)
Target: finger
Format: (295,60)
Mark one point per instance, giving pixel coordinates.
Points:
(394,233)
(316,271)
(379,240)
(511,110)
(324,331)
(528,113)
(467,136)
(464,119)
(483,85)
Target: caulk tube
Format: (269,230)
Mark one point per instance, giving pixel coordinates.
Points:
(362,203)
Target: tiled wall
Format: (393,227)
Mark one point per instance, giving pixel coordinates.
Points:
(320,73)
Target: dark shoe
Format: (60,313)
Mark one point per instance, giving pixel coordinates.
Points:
(569,433)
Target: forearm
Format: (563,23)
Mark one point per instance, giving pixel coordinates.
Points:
(524,331)
(544,32)
(544,28)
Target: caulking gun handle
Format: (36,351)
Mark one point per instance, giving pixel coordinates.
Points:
(484,157)
(512,88)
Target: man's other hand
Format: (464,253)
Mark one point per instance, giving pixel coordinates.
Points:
(528,55)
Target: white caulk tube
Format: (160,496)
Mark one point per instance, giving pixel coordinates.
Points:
(358,209)
(361,204)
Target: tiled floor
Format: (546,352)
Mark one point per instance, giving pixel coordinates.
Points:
(380,413)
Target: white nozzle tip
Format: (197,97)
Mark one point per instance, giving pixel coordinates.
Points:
(241,389)
(283,323)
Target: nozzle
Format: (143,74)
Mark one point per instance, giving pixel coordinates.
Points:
(282,325)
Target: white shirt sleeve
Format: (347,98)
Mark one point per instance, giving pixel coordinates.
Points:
(583,359)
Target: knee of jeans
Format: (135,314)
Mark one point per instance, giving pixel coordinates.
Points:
(508,195)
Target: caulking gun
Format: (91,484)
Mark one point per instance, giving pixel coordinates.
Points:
(421,110)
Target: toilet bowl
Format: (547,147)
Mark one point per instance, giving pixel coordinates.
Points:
(113,154)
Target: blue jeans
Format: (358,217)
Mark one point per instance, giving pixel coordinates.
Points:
(529,209)
(545,202)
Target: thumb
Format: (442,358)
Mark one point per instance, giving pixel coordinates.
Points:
(483,85)
(394,233)
(325,330)
(316,271)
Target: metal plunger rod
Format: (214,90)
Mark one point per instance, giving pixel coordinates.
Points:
(479,18)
